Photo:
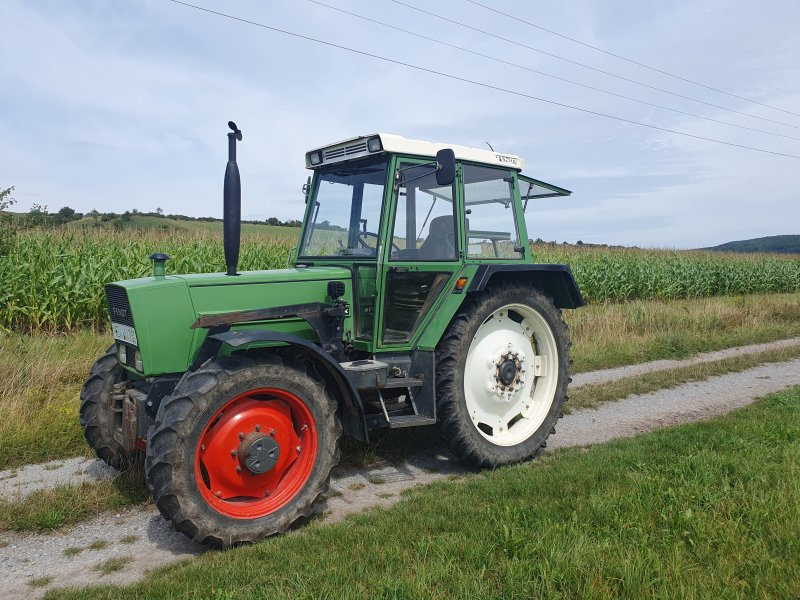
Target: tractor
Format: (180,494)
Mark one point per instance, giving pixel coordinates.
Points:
(413,299)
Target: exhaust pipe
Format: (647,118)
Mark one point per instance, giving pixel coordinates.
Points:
(232,204)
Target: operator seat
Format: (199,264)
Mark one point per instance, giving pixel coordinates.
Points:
(441,241)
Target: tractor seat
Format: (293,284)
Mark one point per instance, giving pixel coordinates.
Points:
(440,243)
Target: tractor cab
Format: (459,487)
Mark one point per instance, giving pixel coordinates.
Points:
(429,214)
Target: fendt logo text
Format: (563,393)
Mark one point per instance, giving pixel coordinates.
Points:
(506,159)
(119,312)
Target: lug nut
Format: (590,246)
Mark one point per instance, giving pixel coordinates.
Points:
(233,452)
(203,448)
(272,433)
(218,494)
(241,435)
(258,427)
(266,493)
(299,448)
(238,468)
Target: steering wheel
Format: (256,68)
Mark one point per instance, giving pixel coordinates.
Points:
(363,242)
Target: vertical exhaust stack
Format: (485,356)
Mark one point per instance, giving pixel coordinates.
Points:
(232,204)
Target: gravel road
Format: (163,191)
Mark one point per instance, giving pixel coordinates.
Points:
(142,539)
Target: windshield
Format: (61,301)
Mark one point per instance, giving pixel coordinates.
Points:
(346,211)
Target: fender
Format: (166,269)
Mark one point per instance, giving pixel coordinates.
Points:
(351,408)
(556,280)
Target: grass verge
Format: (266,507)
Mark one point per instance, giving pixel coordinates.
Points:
(591,396)
(64,505)
(707,510)
(39,387)
(611,335)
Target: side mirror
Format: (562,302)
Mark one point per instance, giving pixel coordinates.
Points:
(445,167)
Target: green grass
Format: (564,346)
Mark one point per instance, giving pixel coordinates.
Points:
(38,582)
(707,510)
(55,508)
(112,565)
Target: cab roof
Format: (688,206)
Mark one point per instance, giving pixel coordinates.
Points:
(373,144)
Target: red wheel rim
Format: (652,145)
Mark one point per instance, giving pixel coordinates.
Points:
(224,480)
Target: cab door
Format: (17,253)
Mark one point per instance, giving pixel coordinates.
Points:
(422,253)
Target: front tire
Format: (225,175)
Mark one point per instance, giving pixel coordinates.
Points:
(502,376)
(96,416)
(242,449)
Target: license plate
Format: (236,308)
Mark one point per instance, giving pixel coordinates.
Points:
(124,333)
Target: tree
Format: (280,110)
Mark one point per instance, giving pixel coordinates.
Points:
(95,215)
(6,200)
(37,216)
(160,212)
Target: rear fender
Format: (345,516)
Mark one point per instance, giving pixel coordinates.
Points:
(556,281)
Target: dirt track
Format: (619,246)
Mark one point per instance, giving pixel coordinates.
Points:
(27,556)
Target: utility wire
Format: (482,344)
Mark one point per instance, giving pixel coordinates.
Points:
(470,81)
(630,60)
(585,66)
(512,64)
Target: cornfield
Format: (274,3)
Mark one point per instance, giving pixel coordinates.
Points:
(53,280)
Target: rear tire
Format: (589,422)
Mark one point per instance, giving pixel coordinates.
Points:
(205,451)
(95,412)
(501,376)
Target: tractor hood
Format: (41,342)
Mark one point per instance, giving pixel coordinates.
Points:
(153,316)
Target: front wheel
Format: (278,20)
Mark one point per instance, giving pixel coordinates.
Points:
(502,376)
(242,449)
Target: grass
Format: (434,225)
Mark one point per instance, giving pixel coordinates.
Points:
(707,510)
(39,388)
(52,509)
(610,335)
(38,582)
(112,565)
(591,396)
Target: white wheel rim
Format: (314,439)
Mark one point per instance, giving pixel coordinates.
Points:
(508,412)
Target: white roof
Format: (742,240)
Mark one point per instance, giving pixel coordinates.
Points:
(356,147)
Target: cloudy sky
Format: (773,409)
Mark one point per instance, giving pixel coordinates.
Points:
(120,104)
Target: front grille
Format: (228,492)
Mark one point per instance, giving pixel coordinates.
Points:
(118,306)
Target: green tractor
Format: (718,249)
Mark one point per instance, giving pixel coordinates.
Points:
(413,300)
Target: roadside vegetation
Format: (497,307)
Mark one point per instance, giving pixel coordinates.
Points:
(707,510)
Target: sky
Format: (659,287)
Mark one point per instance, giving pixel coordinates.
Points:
(121,104)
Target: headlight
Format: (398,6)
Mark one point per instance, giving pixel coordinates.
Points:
(315,158)
(138,361)
(374,144)
(122,353)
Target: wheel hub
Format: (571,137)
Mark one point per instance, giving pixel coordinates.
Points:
(509,371)
(258,453)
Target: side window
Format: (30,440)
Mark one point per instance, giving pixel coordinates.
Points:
(424,222)
(489,220)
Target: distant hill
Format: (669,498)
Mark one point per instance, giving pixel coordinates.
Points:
(788,244)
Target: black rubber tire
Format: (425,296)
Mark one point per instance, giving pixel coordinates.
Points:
(454,423)
(181,419)
(95,416)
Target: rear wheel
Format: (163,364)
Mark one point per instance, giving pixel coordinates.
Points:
(502,376)
(242,449)
(96,416)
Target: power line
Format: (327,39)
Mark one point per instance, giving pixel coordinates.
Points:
(471,81)
(506,62)
(585,66)
(630,60)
